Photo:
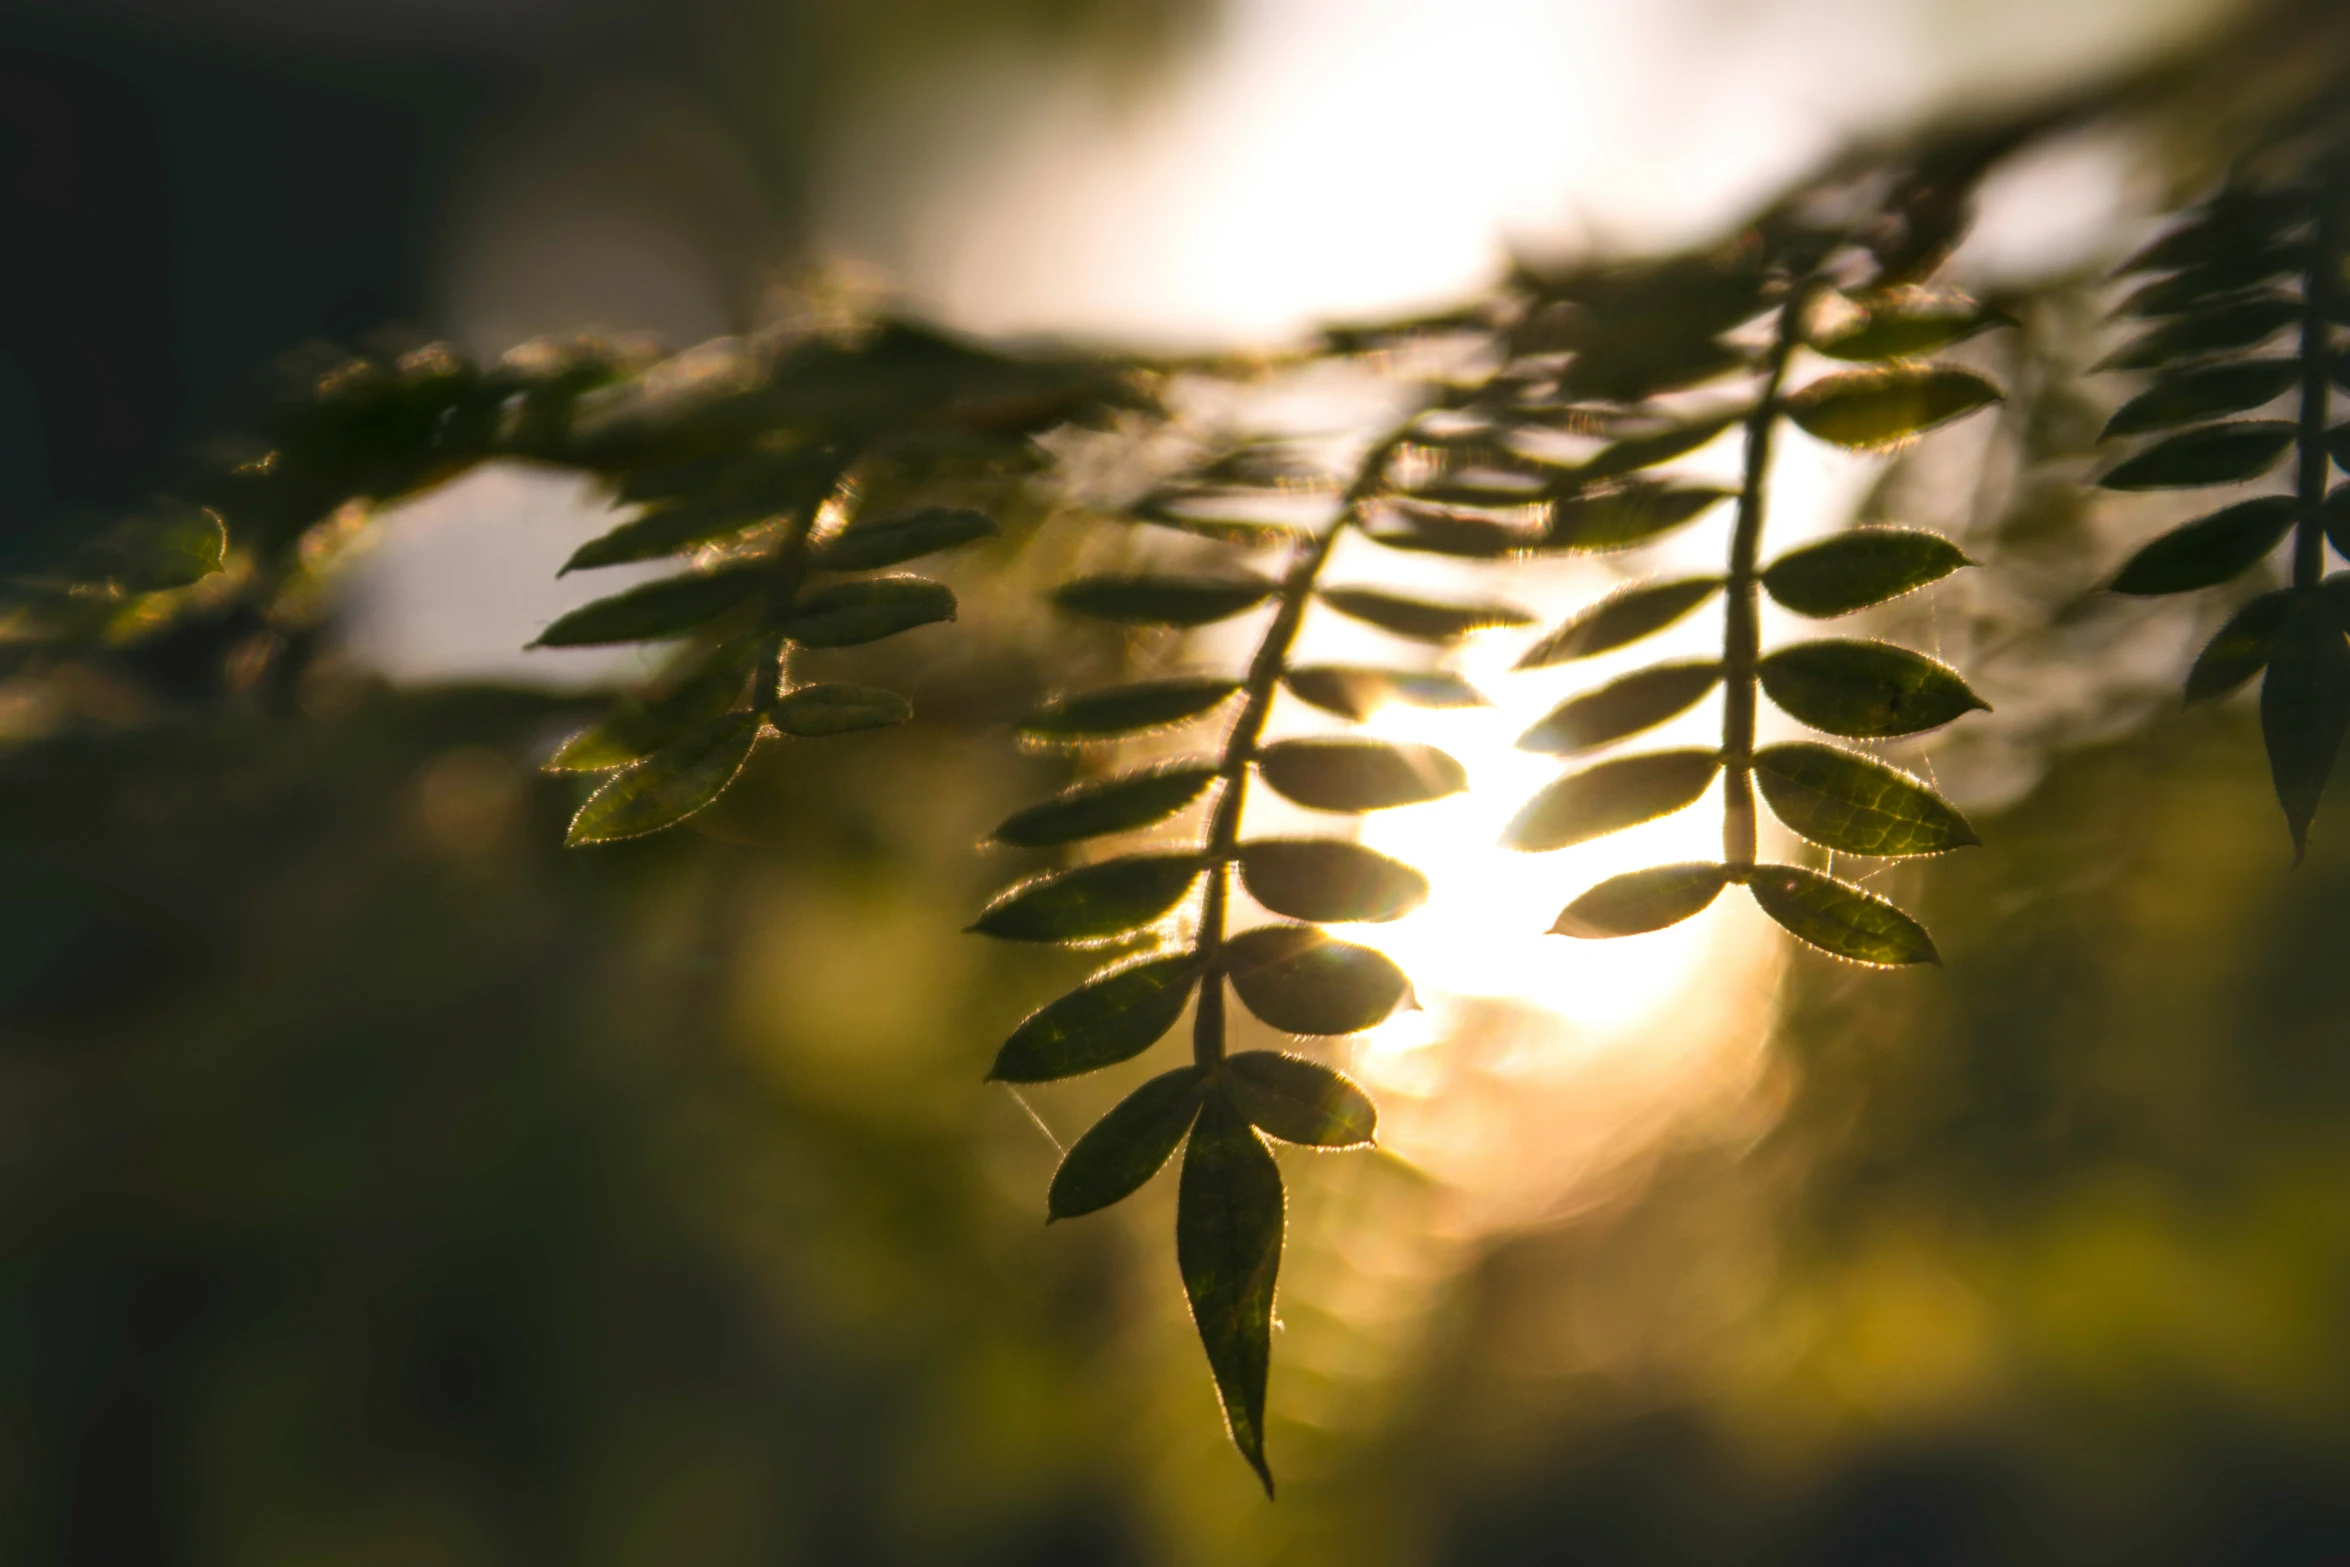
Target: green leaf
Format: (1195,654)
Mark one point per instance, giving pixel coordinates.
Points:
(1865,690)
(1108,898)
(1856,804)
(2240,649)
(2305,708)
(670,607)
(1164,600)
(1354,691)
(2205,392)
(1641,901)
(2218,330)
(670,785)
(849,614)
(1359,775)
(2209,550)
(1646,451)
(1126,1147)
(1839,918)
(1421,619)
(1625,515)
(1300,1101)
(1640,700)
(1865,409)
(667,530)
(813,712)
(1305,982)
(2211,282)
(1120,710)
(1112,1017)
(873,542)
(1903,325)
(1856,569)
(1623,617)
(173,546)
(1228,1222)
(1609,797)
(1110,805)
(693,691)
(2214,454)
(1327,880)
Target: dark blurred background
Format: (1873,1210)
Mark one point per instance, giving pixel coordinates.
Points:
(382,1184)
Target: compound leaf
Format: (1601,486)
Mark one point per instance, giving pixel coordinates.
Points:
(1359,775)
(1609,797)
(1839,918)
(1112,1017)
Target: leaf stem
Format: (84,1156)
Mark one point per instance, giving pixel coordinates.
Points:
(2317,288)
(1240,745)
(1742,628)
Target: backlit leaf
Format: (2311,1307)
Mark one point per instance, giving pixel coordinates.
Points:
(1872,408)
(1305,982)
(668,608)
(2205,392)
(1126,1147)
(1328,879)
(667,530)
(1626,514)
(1421,619)
(1609,797)
(838,709)
(691,694)
(1856,804)
(1300,1101)
(1865,690)
(1641,901)
(873,542)
(1634,453)
(1354,691)
(2209,550)
(1359,775)
(848,614)
(1150,600)
(1854,570)
(2305,708)
(670,785)
(2219,329)
(1119,710)
(2240,649)
(2214,454)
(1112,1017)
(1640,700)
(1902,325)
(1108,805)
(1623,617)
(1108,898)
(1429,531)
(1228,1224)
(171,546)
(1839,918)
